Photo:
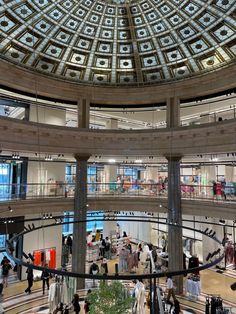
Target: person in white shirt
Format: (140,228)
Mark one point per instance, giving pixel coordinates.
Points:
(170,289)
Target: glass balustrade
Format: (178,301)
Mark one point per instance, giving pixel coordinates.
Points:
(114,189)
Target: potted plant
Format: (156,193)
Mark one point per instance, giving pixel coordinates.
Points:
(111,298)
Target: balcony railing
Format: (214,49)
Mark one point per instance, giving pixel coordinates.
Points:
(125,189)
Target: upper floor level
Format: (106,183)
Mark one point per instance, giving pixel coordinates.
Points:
(32,137)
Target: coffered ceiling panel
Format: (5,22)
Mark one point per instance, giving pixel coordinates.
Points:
(117,42)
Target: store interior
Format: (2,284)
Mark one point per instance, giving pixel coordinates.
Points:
(205,177)
(117,157)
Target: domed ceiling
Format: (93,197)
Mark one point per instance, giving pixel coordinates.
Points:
(99,42)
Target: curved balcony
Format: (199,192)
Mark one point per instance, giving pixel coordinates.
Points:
(47,198)
(29,137)
(210,83)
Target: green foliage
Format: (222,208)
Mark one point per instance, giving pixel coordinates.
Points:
(110,299)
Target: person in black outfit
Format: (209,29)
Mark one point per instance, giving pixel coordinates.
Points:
(4,260)
(69,242)
(45,278)
(214,189)
(30,278)
(102,249)
(94,269)
(76,304)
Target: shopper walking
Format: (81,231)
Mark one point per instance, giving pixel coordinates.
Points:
(45,278)
(170,289)
(30,279)
(4,260)
(107,248)
(6,266)
(76,304)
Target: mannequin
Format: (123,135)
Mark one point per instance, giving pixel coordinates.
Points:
(144,254)
(139,291)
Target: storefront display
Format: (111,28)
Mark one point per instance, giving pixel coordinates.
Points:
(45,256)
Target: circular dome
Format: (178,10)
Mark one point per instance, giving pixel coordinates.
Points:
(97,42)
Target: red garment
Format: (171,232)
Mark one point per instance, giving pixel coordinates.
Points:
(37,258)
(218,189)
(52,262)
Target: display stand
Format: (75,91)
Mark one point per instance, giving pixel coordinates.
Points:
(93,252)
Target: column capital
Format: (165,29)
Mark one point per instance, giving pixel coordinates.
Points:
(86,98)
(174,98)
(80,157)
(176,157)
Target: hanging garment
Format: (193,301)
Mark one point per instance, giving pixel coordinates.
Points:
(52,261)
(144,254)
(193,287)
(72,285)
(130,262)
(64,293)
(51,297)
(37,258)
(139,292)
(65,254)
(58,293)
(123,256)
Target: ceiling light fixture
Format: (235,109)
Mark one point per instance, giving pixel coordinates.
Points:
(15,155)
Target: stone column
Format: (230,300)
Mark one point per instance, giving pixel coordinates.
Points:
(175,242)
(80,201)
(83,112)
(172,112)
(80,214)
(111,170)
